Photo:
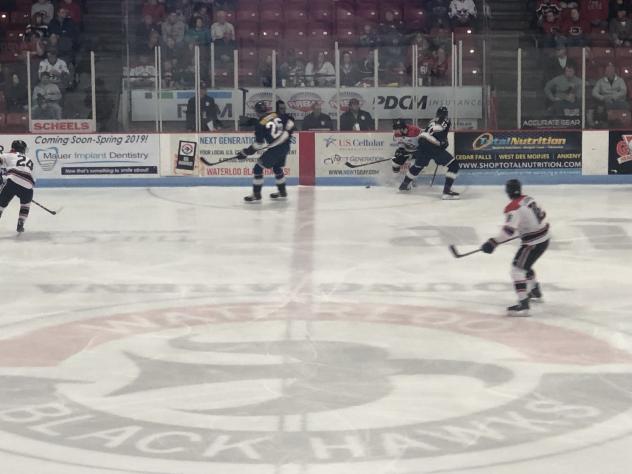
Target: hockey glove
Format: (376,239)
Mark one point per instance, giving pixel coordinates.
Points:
(443,144)
(242,155)
(489,246)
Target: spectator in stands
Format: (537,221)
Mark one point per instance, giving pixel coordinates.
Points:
(43,110)
(595,12)
(320,73)
(16,95)
(54,68)
(551,30)
(38,28)
(184,8)
(356,119)
(438,12)
(568,105)
(198,35)
(201,11)
(621,29)
(143,75)
(598,118)
(611,90)
(210,112)
(616,5)
(223,35)
(546,6)
(73,8)
(50,92)
(174,28)
(462,12)
(425,62)
(440,68)
(62,47)
(45,7)
(557,88)
(575,29)
(168,78)
(145,28)
(154,9)
(292,70)
(558,63)
(65,27)
(349,73)
(149,46)
(317,120)
(390,29)
(367,67)
(369,37)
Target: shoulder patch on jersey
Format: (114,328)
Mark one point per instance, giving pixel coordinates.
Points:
(267,118)
(514,204)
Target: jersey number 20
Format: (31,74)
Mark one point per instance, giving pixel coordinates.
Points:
(276,128)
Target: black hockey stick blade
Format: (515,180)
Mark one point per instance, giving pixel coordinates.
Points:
(208,163)
(456,253)
(351,165)
(44,207)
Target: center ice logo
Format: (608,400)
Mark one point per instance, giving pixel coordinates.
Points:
(258,385)
(47,157)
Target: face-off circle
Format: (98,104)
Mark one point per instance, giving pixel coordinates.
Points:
(249,387)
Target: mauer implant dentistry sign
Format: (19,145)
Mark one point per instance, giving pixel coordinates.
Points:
(94,155)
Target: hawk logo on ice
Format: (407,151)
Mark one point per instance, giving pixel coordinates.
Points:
(47,157)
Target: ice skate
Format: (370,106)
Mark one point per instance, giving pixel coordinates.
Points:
(278,196)
(520,309)
(20,227)
(450,196)
(253,198)
(535,294)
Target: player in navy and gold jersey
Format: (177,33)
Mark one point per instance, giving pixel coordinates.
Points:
(272,137)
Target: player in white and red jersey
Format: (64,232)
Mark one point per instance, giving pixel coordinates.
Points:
(20,181)
(423,146)
(524,219)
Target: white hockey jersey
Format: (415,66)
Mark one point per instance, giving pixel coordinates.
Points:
(19,169)
(523,217)
(408,141)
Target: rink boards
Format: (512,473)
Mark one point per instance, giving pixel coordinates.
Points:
(485,157)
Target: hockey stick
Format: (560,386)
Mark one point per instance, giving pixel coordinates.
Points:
(351,165)
(456,253)
(43,207)
(434,175)
(208,163)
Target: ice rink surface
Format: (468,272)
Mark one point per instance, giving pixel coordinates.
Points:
(178,330)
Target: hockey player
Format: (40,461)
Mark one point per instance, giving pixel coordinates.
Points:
(432,144)
(19,180)
(406,136)
(272,137)
(523,218)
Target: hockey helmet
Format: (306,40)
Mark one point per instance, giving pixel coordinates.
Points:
(513,188)
(261,107)
(399,124)
(19,146)
(442,112)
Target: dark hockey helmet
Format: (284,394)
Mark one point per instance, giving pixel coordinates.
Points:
(261,108)
(513,188)
(19,146)
(399,124)
(442,112)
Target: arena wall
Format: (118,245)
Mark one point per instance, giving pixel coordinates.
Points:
(537,157)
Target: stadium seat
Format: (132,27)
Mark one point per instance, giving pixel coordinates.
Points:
(3,104)
(603,55)
(3,120)
(472,74)
(246,15)
(296,33)
(248,75)
(9,57)
(17,121)
(625,70)
(4,19)
(368,14)
(248,55)
(599,37)
(346,33)
(414,17)
(20,18)
(230,16)
(269,36)
(12,47)
(345,12)
(391,6)
(272,15)
(620,118)
(628,85)
(321,12)
(295,16)
(250,4)
(575,54)
(14,35)
(623,52)
(247,33)
(224,77)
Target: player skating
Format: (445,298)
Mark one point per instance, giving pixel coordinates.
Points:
(523,218)
(424,146)
(272,136)
(20,180)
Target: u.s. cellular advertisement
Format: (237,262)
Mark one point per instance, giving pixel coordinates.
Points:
(532,152)
(93,155)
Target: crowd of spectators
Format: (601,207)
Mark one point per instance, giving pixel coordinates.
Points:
(177,26)
(52,35)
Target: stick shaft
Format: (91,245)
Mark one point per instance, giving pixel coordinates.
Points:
(208,163)
(456,253)
(434,175)
(43,207)
(351,165)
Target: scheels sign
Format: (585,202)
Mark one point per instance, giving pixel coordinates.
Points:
(70,126)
